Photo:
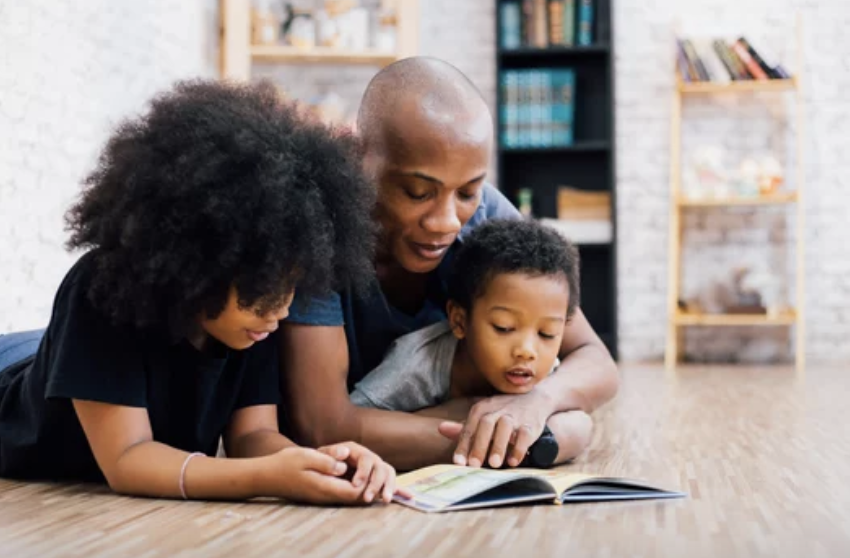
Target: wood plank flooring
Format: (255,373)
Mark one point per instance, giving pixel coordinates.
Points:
(763,454)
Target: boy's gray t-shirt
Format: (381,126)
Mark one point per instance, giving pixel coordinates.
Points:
(415,373)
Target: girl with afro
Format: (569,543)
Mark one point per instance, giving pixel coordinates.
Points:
(200,220)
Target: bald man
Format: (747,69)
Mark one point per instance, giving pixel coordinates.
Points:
(428,135)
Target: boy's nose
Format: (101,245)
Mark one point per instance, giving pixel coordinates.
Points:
(525,350)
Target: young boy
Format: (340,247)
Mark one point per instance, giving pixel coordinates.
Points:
(513,286)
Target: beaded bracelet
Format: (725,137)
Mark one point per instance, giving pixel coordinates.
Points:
(183,472)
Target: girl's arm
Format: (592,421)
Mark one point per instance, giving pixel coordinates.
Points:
(133,463)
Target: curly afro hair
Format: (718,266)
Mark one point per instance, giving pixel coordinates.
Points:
(221,185)
(512,246)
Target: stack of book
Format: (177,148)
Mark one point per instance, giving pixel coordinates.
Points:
(537,108)
(720,61)
(545,23)
(584,216)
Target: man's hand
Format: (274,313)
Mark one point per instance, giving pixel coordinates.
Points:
(496,423)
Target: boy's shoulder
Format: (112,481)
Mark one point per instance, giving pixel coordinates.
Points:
(423,337)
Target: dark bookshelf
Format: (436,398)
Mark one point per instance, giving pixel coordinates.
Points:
(588,163)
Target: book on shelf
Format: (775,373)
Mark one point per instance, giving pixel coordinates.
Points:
(720,61)
(442,488)
(546,23)
(582,231)
(537,108)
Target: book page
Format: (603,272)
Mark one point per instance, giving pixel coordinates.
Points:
(441,486)
(561,480)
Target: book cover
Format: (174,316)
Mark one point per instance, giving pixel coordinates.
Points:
(442,488)
(728,64)
(743,73)
(511,24)
(540,37)
(569,22)
(694,59)
(757,58)
(556,22)
(713,65)
(752,67)
(585,23)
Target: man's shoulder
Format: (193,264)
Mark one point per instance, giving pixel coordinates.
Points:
(494,205)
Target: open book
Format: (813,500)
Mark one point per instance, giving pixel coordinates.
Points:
(452,487)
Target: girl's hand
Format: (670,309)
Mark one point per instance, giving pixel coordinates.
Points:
(371,475)
(307,475)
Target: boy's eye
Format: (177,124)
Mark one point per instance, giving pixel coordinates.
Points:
(501,329)
(467,196)
(546,335)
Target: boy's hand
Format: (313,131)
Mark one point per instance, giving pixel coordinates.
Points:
(497,423)
(372,476)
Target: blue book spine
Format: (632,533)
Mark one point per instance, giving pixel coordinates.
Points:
(510,24)
(585,23)
(548,108)
(525,109)
(564,106)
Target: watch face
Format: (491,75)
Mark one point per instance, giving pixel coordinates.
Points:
(544,451)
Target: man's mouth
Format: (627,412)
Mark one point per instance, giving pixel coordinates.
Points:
(429,251)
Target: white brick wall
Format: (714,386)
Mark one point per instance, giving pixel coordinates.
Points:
(68,72)
(61,86)
(644,73)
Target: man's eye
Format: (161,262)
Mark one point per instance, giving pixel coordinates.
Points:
(415,195)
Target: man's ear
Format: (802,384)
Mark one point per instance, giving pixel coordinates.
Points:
(457,318)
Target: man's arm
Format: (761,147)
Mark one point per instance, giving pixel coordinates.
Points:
(586,379)
(314,370)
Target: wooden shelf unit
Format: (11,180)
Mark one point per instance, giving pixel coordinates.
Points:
(788,317)
(677,320)
(749,86)
(238,54)
(771,199)
(319,55)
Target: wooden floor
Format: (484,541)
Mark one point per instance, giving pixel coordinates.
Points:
(764,456)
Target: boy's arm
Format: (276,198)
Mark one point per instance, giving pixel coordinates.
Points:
(314,372)
(586,379)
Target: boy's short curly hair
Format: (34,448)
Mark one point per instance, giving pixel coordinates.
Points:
(512,246)
(221,185)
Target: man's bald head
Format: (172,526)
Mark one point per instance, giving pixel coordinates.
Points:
(421,92)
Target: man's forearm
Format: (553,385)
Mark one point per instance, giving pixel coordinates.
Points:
(257,444)
(586,379)
(404,440)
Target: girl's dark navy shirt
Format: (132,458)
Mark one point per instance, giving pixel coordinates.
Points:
(189,395)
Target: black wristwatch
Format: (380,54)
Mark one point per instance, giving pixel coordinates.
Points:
(543,452)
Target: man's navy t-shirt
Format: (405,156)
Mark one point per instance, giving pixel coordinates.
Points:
(371,322)
(189,395)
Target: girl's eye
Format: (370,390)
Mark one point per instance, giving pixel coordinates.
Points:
(546,335)
(502,329)
(466,196)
